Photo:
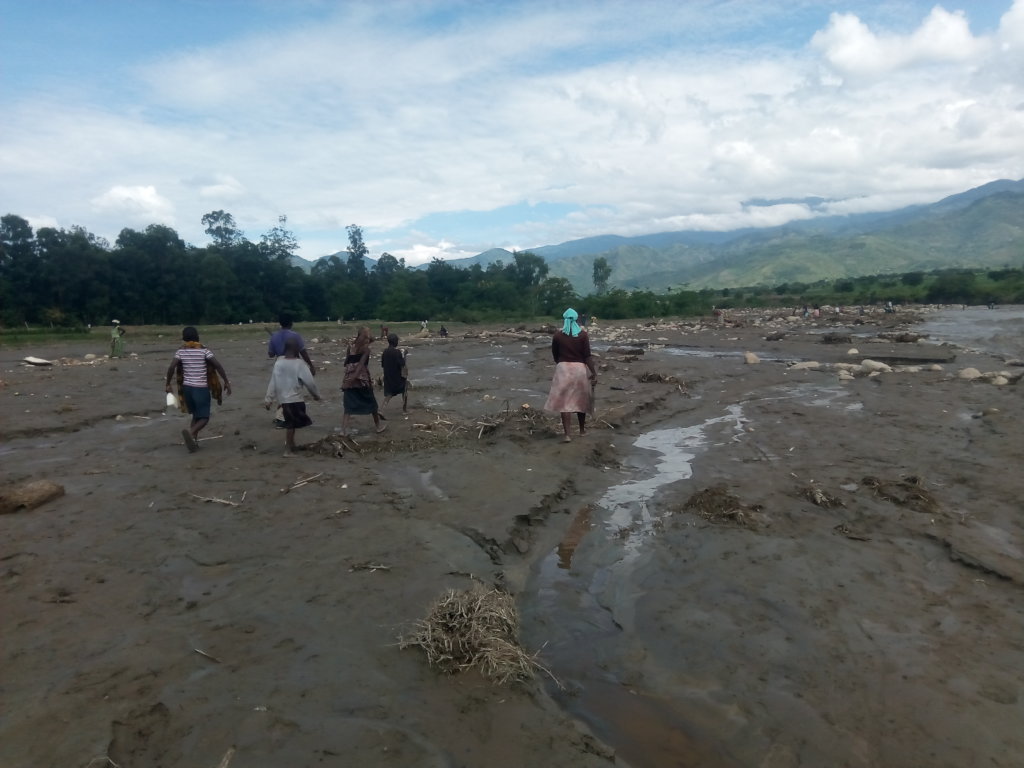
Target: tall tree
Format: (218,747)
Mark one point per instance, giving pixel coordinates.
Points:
(357,251)
(602,273)
(220,225)
(279,242)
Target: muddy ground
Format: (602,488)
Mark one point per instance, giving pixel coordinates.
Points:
(825,573)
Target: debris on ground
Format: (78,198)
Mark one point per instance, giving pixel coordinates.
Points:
(476,627)
(908,491)
(816,495)
(717,505)
(29,495)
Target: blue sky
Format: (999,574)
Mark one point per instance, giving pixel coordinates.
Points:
(447,128)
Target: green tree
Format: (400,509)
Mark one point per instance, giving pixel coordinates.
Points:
(602,273)
(279,242)
(357,252)
(555,294)
(220,225)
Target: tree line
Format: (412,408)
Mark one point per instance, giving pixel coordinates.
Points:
(72,278)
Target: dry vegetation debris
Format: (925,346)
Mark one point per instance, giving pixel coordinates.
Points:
(908,491)
(474,628)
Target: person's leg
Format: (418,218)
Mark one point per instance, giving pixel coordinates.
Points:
(289,441)
(345,419)
(376,422)
(566,423)
(582,418)
(197,425)
(405,400)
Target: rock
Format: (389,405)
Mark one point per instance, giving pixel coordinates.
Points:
(845,376)
(807,365)
(969,374)
(750,358)
(873,366)
(853,351)
(90,356)
(935,367)
(29,495)
(1000,381)
(775,336)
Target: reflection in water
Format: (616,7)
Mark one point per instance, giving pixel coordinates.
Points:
(573,536)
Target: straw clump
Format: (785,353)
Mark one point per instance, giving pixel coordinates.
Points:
(476,627)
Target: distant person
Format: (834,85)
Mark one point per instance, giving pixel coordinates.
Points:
(357,386)
(384,330)
(117,333)
(197,372)
(289,377)
(443,332)
(396,372)
(575,375)
(275,347)
(423,326)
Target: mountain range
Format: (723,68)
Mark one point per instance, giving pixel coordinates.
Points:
(980,228)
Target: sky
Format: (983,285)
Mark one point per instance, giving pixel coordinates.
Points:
(444,128)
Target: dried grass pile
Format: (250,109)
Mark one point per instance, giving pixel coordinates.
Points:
(476,627)
(717,505)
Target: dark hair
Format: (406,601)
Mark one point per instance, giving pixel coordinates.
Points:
(190,334)
(285,319)
(393,339)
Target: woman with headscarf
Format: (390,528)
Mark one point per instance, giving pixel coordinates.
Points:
(575,374)
(357,386)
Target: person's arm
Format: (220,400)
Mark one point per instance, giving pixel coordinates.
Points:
(554,348)
(305,356)
(588,358)
(175,364)
(310,386)
(220,370)
(271,390)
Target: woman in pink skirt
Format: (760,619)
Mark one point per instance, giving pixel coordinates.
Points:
(575,375)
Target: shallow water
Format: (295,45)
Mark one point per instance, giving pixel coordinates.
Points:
(998,331)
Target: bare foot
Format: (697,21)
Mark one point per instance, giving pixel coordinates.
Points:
(381,428)
(566,439)
(190,441)
(288,455)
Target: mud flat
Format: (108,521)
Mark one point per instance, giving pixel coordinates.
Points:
(742,564)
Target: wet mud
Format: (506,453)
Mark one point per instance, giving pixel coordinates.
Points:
(174,608)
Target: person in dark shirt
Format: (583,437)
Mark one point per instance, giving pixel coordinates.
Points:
(575,375)
(396,373)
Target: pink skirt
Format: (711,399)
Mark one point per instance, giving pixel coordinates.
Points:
(570,389)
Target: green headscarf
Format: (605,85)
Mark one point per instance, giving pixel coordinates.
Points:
(569,325)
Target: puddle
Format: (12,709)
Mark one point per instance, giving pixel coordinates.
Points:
(574,583)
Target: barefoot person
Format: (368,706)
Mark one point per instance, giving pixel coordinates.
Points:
(357,387)
(287,381)
(571,388)
(396,374)
(198,383)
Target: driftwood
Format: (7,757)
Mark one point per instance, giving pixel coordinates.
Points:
(29,495)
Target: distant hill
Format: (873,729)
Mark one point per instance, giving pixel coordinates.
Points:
(982,227)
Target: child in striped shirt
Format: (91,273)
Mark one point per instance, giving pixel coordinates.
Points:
(193,363)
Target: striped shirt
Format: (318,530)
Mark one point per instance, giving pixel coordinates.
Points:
(193,365)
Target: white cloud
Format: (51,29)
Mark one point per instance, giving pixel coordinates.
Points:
(367,119)
(853,49)
(142,204)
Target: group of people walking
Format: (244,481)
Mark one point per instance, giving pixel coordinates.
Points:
(201,378)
